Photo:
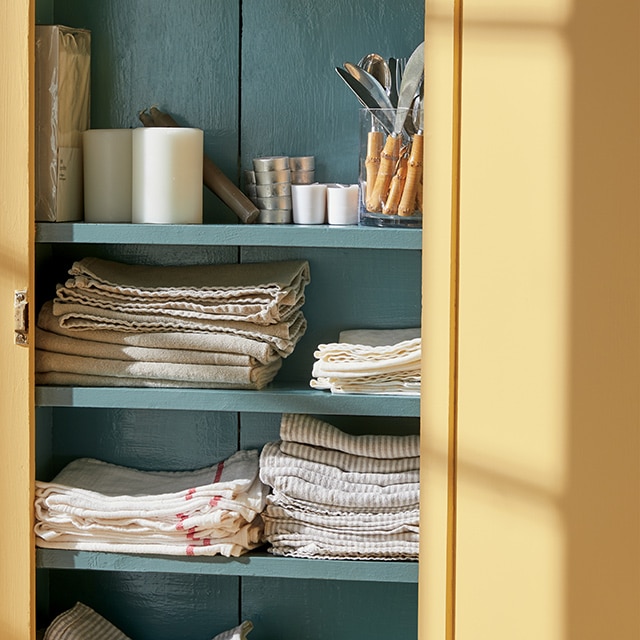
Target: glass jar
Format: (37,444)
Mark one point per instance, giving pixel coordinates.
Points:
(390,171)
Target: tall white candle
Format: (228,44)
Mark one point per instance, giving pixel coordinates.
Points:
(167,175)
(107,175)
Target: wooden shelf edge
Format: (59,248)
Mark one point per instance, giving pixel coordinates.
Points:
(287,235)
(277,398)
(250,565)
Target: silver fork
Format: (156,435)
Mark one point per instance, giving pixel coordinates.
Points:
(401,63)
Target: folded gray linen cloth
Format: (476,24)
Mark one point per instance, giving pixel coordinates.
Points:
(81,623)
(348,461)
(209,342)
(382,522)
(336,495)
(256,376)
(306,429)
(274,463)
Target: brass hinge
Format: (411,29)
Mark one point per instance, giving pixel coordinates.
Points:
(20,317)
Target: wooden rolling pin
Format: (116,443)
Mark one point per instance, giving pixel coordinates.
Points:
(214,179)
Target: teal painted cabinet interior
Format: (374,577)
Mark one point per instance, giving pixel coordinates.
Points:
(258,76)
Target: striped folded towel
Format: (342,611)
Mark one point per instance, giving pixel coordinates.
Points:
(337,495)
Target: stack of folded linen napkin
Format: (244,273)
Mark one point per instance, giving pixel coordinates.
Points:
(336,495)
(81,622)
(93,505)
(379,361)
(206,326)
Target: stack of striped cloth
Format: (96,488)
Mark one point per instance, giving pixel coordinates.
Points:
(336,495)
(206,326)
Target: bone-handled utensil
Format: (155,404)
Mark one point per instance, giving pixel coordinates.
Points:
(389,156)
(413,180)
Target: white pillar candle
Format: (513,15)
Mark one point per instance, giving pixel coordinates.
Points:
(167,175)
(342,203)
(107,175)
(309,203)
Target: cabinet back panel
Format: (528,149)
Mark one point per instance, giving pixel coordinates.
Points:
(329,299)
(144,438)
(151,606)
(297,609)
(258,77)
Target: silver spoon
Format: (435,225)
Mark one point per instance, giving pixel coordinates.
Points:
(377,66)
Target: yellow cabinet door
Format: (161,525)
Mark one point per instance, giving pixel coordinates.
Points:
(547,543)
(16,385)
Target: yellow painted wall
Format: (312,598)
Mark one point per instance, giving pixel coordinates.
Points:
(16,392)
(548,499)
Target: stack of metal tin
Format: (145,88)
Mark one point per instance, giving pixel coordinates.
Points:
(269,185)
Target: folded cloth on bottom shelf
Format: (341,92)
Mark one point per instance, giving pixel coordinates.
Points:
(81,623)
(97,506)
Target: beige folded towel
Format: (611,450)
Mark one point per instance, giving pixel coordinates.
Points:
(256,376)
(278,280)
(49,341)
(243,309)
(282,336)
(175,340)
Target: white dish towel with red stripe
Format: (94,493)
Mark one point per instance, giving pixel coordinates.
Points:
(93,505)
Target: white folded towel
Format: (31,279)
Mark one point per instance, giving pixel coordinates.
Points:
(97,506)
(380,361)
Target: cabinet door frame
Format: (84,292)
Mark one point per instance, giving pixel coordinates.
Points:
(17,556)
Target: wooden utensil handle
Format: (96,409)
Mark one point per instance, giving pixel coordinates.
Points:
(388,160)
(375,141)
(397,186)
(414,176)
(213,177)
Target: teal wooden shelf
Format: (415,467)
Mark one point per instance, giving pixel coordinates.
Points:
(277,398)
(250,565)
(286,235)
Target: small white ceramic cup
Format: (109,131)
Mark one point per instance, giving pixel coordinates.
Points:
(309,203)
(342,204)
